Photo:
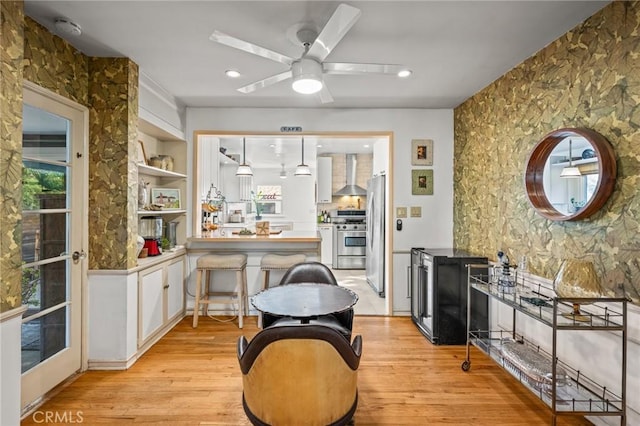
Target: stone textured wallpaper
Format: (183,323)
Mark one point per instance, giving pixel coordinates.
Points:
(54,64)
(590,77)
(113,92)
(11,77)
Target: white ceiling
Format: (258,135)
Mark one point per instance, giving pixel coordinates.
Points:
(455,48)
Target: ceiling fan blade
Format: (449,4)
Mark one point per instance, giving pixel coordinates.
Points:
(266,82)
(347,68)
(325,94)
(236,43)
(340,22)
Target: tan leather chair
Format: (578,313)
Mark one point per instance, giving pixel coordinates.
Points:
(299,375)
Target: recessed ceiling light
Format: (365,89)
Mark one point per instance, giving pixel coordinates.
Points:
(366,146)
(232,73)
(404,73)
(65,26)
(319,146)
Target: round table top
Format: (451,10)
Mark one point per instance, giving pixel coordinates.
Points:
(304,300)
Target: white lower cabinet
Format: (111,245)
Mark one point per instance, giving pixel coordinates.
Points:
(401,282)
(326,247)
(160,298)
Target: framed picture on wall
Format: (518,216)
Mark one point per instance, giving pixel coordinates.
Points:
(422,152)
(168,198)
(422,182)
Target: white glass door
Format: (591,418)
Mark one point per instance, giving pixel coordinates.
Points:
(53,233)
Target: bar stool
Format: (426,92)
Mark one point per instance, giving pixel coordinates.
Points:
(276,262)
(221,262)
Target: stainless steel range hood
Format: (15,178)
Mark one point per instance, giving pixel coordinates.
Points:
(351,188)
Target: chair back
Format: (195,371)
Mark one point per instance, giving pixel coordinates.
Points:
(302,374)
(309,272)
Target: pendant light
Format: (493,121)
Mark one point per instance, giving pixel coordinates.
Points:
(283,173)
(570,171)
(302,169)
(244,169)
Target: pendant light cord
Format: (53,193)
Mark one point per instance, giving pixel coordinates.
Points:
(244,153)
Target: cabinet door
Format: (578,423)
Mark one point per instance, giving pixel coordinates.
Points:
(325,177)
(401,282)
(326,247)
(175,289)
(150,302)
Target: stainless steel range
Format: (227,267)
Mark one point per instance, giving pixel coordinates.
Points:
(349,239)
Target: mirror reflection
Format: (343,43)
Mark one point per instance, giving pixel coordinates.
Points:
(571,174)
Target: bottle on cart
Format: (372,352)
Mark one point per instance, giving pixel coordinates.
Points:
(506,281)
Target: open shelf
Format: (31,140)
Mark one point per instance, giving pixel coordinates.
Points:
(154,171)
(536,301)
(577,394)
(161,212)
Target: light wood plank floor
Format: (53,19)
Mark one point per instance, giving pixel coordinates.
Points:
(191,377)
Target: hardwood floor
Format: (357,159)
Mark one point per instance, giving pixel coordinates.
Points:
(191,377)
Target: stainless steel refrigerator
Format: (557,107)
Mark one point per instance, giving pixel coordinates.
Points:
(375,234)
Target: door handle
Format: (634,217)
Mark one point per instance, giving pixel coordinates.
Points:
(78,255)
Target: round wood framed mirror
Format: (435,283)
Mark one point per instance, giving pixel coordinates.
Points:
(570,174)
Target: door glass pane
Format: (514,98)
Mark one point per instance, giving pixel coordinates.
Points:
(44,286)
(43,337)
(45,235)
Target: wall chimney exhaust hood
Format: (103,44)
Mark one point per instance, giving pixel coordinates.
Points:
(351,188)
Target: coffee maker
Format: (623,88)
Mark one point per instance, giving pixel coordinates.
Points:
(150,228)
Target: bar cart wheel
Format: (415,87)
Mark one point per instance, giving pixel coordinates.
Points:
(466,365)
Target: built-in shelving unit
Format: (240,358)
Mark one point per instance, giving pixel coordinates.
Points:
(564,389)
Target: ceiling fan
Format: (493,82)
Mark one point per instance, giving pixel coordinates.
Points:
(307,70)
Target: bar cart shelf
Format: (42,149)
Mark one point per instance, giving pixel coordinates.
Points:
(565,390)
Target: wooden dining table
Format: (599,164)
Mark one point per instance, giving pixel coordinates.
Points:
(304,301)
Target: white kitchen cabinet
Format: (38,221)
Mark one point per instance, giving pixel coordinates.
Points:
(326,247)
(401,282)
(160,298)
(325,180)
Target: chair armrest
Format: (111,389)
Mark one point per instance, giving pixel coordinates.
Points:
(357,345)
(242,346)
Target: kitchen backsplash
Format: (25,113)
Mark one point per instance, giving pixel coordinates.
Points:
(364,171)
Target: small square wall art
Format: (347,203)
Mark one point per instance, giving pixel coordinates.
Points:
(422,182)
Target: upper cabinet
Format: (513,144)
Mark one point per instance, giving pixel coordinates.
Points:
(325,180)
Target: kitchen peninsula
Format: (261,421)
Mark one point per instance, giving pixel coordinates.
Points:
(254,246)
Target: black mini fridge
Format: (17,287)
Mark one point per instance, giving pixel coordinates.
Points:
(439,295)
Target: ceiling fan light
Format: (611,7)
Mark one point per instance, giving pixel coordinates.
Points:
(307,85)
(307,76)
(302,170)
